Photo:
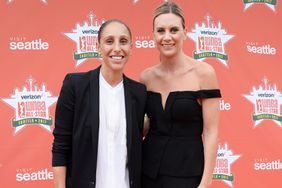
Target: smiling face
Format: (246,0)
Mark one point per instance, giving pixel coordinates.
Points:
(169,34)
(114,46)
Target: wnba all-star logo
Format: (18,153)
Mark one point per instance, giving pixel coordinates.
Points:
(222,170)
(267,101)
(44,1)
(210,40)
(31,106)
(85,37)
(269,3)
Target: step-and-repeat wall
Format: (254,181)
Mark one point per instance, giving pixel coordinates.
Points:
(42,40)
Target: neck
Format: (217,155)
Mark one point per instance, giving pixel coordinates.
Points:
(112,77)
(174,63)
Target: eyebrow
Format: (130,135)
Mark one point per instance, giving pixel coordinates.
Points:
(113,36)
(161,27)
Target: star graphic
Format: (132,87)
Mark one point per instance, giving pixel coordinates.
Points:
(196,32)
(231,159)
(254,96)
(224,39)
(226,154)
(19,101)
(13,102)
(271,6)
(79,31)
(253,99)
(75,37)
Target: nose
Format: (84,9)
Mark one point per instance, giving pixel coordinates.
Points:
(116,47)
(167,36)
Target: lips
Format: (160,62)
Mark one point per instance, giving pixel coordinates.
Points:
(168,46)
(117,57)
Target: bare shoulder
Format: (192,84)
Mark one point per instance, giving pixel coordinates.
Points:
(204,69)
(207,75)
(148,74)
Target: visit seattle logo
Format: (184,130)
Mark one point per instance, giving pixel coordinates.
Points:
(31,106)
(267,101)
(210,41)
(222,170)
(269,3)
(85,36)
(44,1)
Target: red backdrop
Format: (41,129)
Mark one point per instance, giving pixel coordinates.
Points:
(42,40)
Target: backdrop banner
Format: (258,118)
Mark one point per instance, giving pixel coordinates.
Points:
(43,40)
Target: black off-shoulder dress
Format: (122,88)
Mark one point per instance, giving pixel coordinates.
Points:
(173,152)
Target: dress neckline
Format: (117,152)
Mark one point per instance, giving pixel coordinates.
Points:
(172,93)
(183,91)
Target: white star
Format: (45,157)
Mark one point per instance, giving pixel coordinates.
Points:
(19,100)
(231,159)
(224,37)
(272,7)
(255,95)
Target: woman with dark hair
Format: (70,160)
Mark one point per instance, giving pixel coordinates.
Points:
(179,150)
(99,120)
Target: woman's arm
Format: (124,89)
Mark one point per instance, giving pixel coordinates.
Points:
(60,176)
(144,78)
(210,107)
(210,138)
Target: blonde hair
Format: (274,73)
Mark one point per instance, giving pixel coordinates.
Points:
(169,7)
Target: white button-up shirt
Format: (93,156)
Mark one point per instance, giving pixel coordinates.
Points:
(112,171)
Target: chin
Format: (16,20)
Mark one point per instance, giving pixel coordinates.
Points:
(169,54)
(117,67)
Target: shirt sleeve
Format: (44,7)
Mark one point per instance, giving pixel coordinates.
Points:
(62,133)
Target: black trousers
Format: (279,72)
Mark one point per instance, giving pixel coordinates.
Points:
(163,181)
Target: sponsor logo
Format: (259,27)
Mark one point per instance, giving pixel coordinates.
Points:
(265,49)
(222,170)
(144,42)
(210,39)
(269,3)
(85,37)
(31,106)
(20,43)
(43,1)
(267,101)
(27,174)
(224,106)
(263,164)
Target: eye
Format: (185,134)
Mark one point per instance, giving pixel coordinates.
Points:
(124,41)
(160,30)
(174,30)
(109,41)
